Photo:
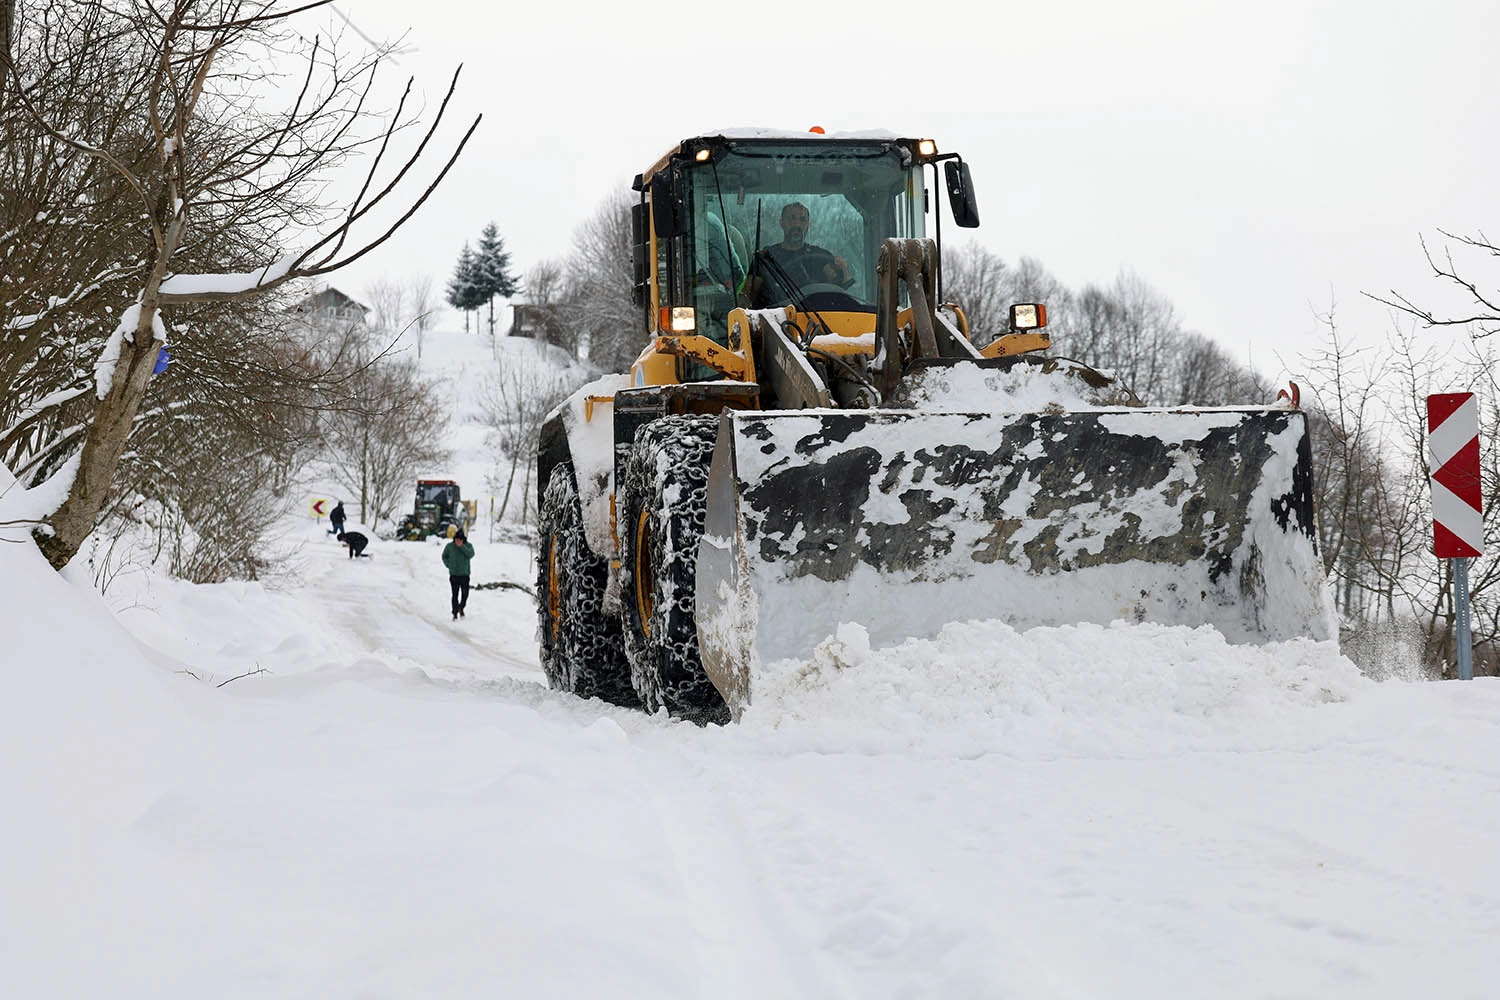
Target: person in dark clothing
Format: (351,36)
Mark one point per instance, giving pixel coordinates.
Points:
(336,518)
(355,541)
(797,260)
(456,556)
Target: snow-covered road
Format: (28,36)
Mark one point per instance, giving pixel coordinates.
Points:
(397,603)
(397,807)
(331,789)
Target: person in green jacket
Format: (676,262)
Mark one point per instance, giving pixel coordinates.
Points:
(456,556)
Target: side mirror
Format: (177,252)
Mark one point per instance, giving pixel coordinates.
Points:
(664,215)
(961,194)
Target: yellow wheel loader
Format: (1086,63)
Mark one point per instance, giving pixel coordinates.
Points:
(811,437)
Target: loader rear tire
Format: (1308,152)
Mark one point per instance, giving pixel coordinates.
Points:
(663,499)
(581,648)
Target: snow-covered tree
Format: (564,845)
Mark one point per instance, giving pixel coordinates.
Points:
(464,290)
(492,270)
(212,189)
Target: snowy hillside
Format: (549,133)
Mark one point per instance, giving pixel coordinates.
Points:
(334,790)
(473,370)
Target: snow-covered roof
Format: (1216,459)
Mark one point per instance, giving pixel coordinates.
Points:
(789,135)
(330,299)
(744,132)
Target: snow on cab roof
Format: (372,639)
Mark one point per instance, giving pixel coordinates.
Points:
(748,132)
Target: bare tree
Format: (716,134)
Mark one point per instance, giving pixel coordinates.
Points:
(213,528)
(387,424)
(544,282)
(420,302)
(514,401)
(1480,312)
(217,184)
(599,275)
(388,306)
(1034,283)
(980,283)
(545,286)
(1475,308)
(399,306)
(1145,337)
(1427,582)
(1367,409)
(220,439)
(1364,500)
(65,225)
(1200,372)
(7,25)
(1132,330)
(1128,327)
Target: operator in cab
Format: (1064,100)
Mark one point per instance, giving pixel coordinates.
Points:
(796,260)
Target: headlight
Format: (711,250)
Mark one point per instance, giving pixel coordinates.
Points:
(1028,316)
(677,319)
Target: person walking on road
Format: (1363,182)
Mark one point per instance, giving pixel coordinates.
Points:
(336,518)
(456,556)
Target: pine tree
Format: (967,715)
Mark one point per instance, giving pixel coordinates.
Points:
(492,270)
(464,289)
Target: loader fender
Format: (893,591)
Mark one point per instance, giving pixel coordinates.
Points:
(905,521)
(579,432)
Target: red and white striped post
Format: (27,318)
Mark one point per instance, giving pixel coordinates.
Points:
(1457,502)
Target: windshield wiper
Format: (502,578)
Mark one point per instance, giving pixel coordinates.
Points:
(794,292)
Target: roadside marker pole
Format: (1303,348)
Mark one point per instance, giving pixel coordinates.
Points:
(1457,502)
(1461,613)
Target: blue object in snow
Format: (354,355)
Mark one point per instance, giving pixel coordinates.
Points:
(162,360)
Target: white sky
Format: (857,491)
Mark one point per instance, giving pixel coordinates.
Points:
(1253,162)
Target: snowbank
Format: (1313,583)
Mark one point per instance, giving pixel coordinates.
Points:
(1080,691)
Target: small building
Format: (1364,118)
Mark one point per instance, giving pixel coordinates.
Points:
(332,304)
(527,320)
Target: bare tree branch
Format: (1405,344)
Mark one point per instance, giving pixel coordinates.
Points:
(1483,322)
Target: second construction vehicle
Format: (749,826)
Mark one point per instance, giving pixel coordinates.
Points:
(811,437)
(437,510)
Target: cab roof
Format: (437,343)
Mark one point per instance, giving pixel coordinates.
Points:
(777,135)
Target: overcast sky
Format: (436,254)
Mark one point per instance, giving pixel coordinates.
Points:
(1255,163)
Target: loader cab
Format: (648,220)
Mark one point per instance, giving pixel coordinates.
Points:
(710,214)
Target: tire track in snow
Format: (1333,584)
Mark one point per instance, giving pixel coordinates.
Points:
(397,604)
(768,948)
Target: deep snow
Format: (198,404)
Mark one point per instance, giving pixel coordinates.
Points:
(333,790)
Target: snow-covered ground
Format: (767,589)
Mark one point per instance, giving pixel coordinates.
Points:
(333,790)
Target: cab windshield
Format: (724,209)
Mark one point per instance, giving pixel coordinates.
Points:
(438,493)
(771,223)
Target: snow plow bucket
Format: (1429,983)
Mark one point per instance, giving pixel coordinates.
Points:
(904,521)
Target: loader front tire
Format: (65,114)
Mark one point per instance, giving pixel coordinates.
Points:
(662,502)
(581,648)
